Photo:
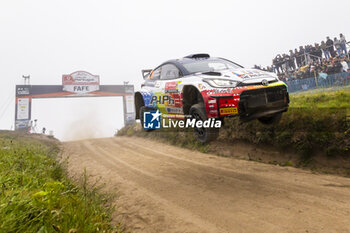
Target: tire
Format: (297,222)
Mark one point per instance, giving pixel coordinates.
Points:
(203,135)
(142,110)
(274,119)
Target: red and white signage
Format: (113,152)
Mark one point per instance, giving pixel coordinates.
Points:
(81,82)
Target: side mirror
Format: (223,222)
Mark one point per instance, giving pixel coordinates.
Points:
(146,73)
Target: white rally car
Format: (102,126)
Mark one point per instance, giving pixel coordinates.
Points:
(204,87)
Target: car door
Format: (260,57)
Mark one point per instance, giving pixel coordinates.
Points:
(151,88)
(169,83)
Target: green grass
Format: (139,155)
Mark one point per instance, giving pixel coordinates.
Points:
(328,99)
(37,196)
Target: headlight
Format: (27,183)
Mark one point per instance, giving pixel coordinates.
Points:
(220,82)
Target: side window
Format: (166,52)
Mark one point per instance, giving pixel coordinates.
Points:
(155,75)
(169,71)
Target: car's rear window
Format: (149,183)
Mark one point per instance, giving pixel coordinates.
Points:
(209,65)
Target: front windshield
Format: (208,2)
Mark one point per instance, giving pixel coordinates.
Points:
(209,65)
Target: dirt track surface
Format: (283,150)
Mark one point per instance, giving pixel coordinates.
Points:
(163,188)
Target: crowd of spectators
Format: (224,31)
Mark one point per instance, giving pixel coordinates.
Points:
(328,57)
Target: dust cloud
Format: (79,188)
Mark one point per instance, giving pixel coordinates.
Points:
(79,118)
(82,129)
(86,127)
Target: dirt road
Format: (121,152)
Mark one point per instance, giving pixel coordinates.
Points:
(163,188)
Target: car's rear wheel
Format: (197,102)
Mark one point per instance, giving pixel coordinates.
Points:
(271,119)
(142,110)
(198,112)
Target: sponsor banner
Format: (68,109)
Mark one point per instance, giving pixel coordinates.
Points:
(23,108)
(81,82)
(129,104)
(21,124)
(129,89)
(22,91)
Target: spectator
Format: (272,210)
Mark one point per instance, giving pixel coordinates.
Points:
(302,55)
(343,43)
(318,52)
(307,53)
(325,50)
(337,45)
(329,44)
(308,61)
(345,65)
(285,63)
(291,60)
(278,63)
(297,57)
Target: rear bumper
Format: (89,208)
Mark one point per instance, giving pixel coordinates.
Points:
(263,102)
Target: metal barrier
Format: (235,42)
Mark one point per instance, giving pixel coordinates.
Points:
(332,80)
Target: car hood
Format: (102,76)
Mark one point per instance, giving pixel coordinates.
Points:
(242,75)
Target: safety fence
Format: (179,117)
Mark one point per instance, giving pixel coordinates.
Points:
(321,81)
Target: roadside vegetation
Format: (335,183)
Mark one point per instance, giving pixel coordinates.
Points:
(37,196)
(316,124)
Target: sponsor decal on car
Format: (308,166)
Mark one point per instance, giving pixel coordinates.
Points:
(219,91)
(162,99)
(172,87)
(228,111)
(201,87)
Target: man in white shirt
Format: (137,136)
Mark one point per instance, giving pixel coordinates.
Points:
(345,65)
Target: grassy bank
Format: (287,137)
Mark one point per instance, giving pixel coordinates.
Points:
(37,196)
(316,124)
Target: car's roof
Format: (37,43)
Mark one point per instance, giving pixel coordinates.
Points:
(191,59)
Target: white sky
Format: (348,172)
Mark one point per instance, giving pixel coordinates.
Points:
(116,39)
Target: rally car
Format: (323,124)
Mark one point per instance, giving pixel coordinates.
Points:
(205,87)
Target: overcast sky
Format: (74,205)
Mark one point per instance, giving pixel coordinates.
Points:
(116,39)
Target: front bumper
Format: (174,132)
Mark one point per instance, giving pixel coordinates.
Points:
(263,102)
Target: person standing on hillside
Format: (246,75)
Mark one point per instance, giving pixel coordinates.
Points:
(325,50)
(343,43)
(297,57)
(330,47)
(302,56)
(337,46)
(291,60)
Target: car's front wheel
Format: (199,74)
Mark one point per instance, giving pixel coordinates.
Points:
(198,112)
(271,119)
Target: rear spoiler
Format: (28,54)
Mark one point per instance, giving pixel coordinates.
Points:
(146,73)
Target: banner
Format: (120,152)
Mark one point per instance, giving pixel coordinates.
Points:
(81,82)
(23,109)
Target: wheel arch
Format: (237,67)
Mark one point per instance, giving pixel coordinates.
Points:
(139,102)
(190,96)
